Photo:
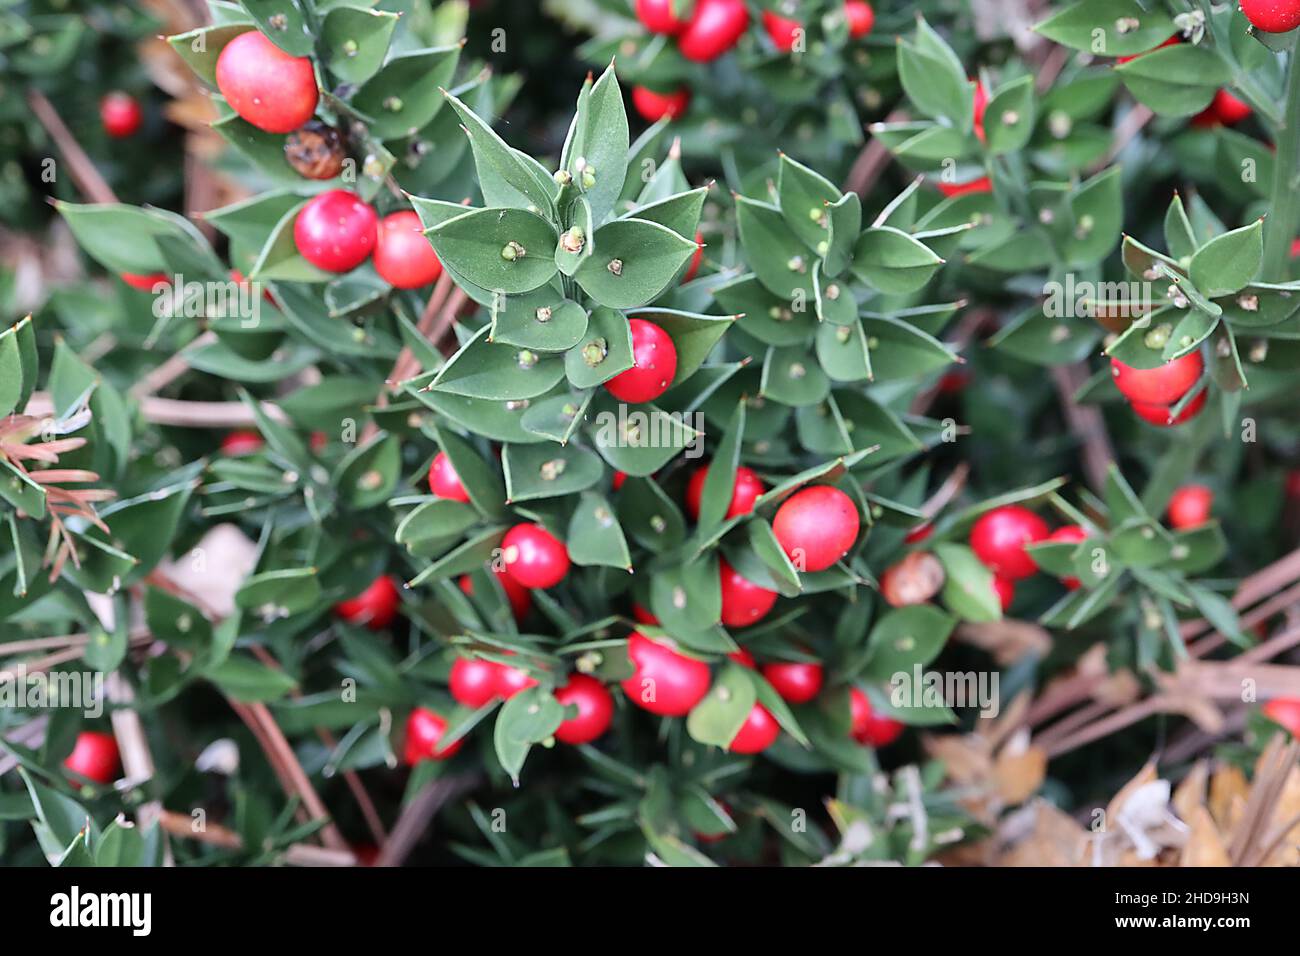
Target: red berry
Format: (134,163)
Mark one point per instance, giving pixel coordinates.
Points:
(1272,16)
(374,607)
(95,756)
(267,87)
(783,31)
(861,18)
(1162,385)
(619,478)
(660,16)
(663,681)
(241,442)
(654,106)
(797,682)
(654,358)
(595,710)
(443,480)
(473,681)
(1072,534)
(816,527)
(511,680)
(743,657)
(1189,507)
(1161,415)
(534,557)
(999,537)
(981,185)
(868,727)
(1005,590)
(145,283)
(757,733)
(644,616)
(121,114)
(980,102)
(424,729)
(919,533)
(403,257)
(520,598)
(698,257)
(335,231)
(744,492)
(1284,711)
(714,28)
(1224,109)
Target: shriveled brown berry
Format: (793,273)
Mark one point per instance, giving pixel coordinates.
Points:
(315,151)
(914,580)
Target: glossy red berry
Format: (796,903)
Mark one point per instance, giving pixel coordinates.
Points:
(714,28)
(816,527)
(473,681)
(783,32)
(1284,711)
(121,114)
(241,442)
(757,733)
(654,105)
(520,598)
(744,492)
(145,283)
(860,17)
(1162,385)
(743,657)
(981,185)
(95,756)
(595,710)
(654,358)
(1005,590)
(443,480)
(999,537)
(618,479)
(403,257)
(1224,110)
(534,557)
(1272,16)
(664,681)
(1162,415)
(511,680)
(980,102)
(660,16)
(1189,507)
(868,727)
(424,729)
(374,607)
(1069,534)
(267,87)
(643,616)
(796,681)
(335,231)
(696,258)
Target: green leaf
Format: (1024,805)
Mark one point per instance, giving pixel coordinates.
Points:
(529,717)
(604,350)
(1226,263)
(892,261)
(907,636)
(1125,27)
(780,261)
(595,536)
(283,23)
(283,593)
(719,716)
(506,176)
(968,585)
(1177,80)
(500,372)
(694,335)
(933,78)
(407,92)
(600,140)
(720,479)
(680,212)
(542,319)
(633,261)
(250,681)
(478,245)
(355,41)
(804,196)
(1009,117)
(369,473)
(548,471)
(482,481)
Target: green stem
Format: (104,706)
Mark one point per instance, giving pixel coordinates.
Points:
(1279,227)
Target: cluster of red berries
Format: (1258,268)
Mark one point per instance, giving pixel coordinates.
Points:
(714,27)
(1153,392)
(999,537)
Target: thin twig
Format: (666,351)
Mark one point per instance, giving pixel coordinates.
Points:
(80,167)
(214,834)
(418,813)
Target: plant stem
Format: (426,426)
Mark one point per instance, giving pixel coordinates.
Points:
(1279,227)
